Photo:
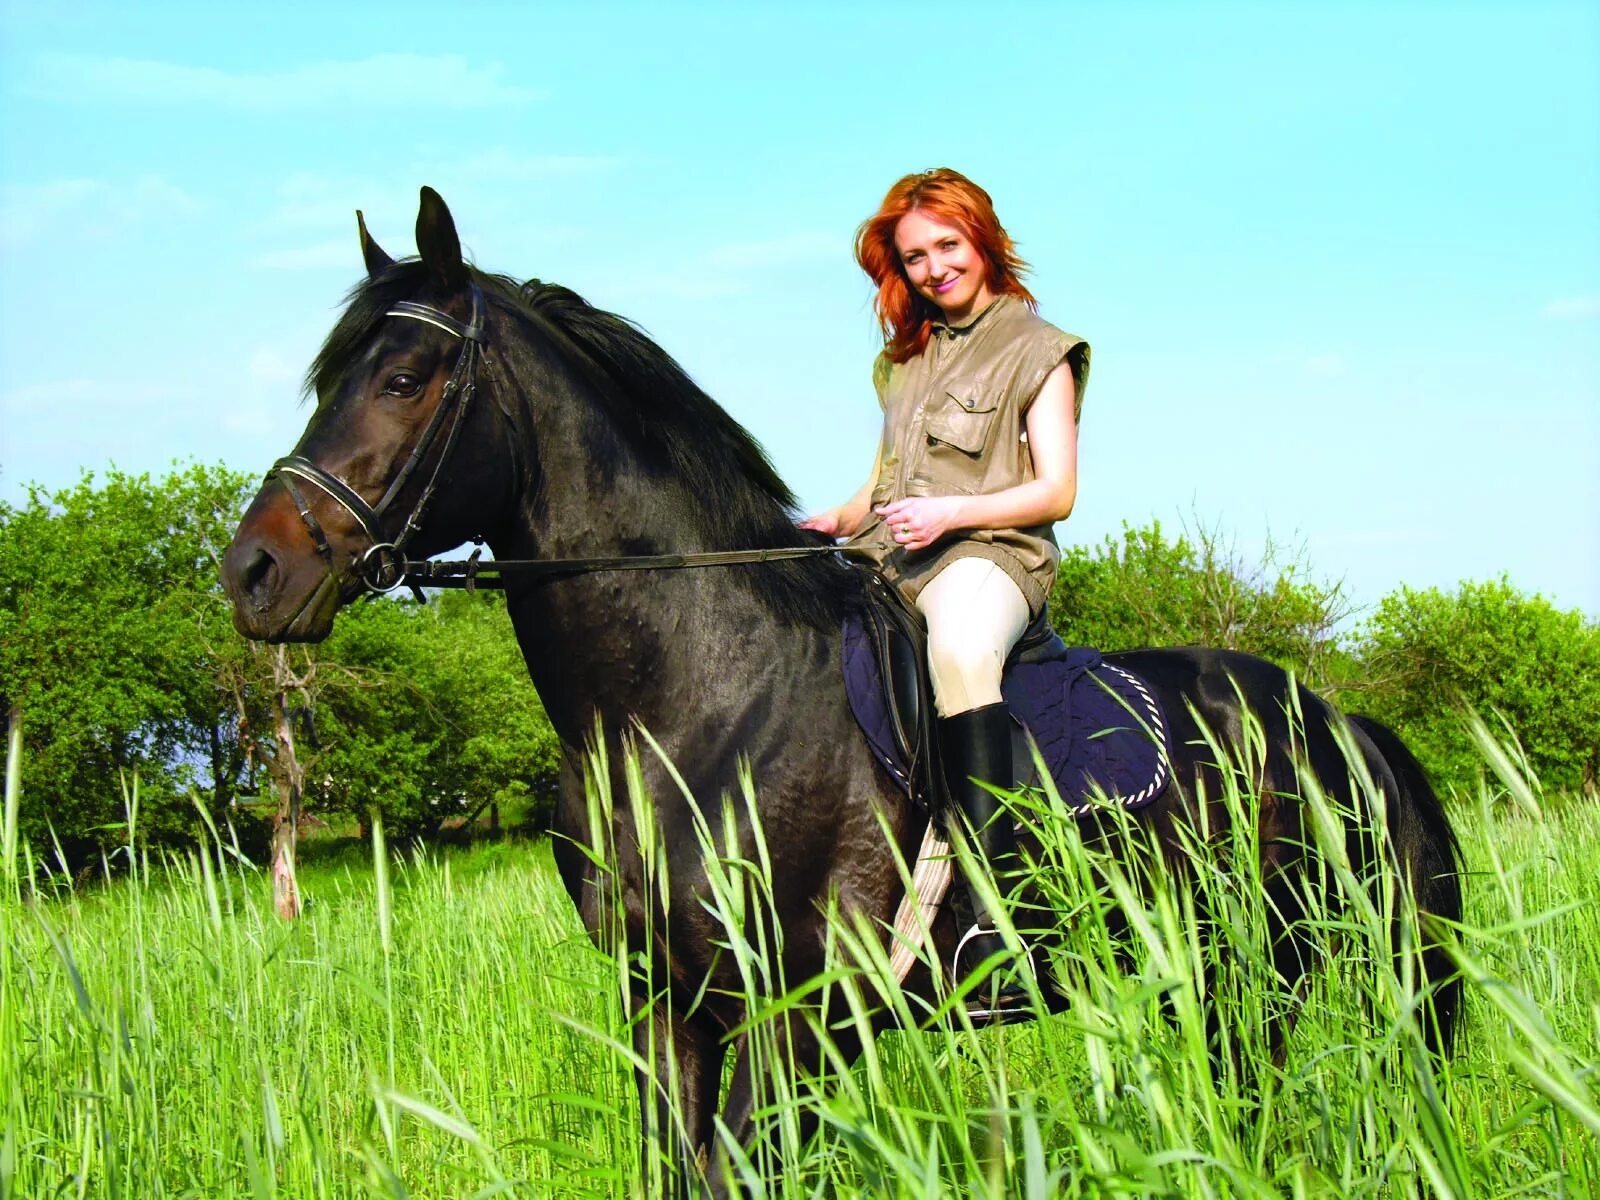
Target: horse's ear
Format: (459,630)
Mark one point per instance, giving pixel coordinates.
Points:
(437,242)
(376,259)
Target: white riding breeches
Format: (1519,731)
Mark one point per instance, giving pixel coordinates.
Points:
(975,615)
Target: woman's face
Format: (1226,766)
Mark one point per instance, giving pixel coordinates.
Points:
(942,264)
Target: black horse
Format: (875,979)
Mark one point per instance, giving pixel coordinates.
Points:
(454,404)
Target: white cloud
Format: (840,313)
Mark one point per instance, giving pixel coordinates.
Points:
(681,285)
(1573,308)
(384,81)
(253,418)
(731,269)
(307,200)
(87,208)
(26,211)
(501,164)
(56,393)
(311,201)
(1371,538)
(1326,366)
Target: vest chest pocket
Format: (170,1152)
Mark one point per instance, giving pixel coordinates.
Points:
(962,422)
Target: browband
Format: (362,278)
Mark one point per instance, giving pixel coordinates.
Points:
(376,565)
(472,331)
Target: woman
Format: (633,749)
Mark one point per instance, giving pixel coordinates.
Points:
(978,459)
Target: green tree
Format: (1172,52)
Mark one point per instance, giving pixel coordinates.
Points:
(1146,590)
(117,645)
(429,715)
(108,611)
(1428,655)
(508,753)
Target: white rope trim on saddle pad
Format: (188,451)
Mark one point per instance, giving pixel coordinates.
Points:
(1156,730)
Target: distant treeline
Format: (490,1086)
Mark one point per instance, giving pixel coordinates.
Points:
(117,651)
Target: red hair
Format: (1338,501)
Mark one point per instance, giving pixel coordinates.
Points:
(907,317)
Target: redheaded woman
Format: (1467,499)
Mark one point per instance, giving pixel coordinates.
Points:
(977,461)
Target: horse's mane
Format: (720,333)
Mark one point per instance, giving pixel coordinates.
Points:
(741,502)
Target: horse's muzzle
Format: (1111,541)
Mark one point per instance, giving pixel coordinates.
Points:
(282,590)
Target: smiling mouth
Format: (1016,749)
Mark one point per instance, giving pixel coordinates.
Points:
(944,287)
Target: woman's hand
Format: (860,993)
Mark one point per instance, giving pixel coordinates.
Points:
(917,522)
(827,523)
(848,517)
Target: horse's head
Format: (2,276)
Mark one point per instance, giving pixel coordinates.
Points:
(396,418)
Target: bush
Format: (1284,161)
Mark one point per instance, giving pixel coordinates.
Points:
(1147,591)
(425,713)
(1429,655)
(116,645)
(108,606)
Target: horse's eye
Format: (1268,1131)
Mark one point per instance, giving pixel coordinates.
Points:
(403,383)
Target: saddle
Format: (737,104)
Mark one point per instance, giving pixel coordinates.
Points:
(897,635)
(1098,727)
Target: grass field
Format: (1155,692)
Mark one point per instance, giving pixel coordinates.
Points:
(438,1025)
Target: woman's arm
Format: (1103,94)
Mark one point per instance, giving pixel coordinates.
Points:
(847,518)
(920,521)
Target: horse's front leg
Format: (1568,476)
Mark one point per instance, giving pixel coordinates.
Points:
(678,1073)
(796,1058)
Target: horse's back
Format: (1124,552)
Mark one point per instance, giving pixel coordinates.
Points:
(1213,691)
(1268,726)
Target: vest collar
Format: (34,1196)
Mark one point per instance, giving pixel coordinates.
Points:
(940,325)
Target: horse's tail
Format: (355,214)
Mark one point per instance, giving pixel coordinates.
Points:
(1426,844)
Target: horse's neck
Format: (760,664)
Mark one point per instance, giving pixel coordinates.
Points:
(627,643)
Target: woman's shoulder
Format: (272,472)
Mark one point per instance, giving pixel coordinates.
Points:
(1020,323)
(1037,347)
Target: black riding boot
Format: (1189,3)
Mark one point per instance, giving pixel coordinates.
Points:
(977,747)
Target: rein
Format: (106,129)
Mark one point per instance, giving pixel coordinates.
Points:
(383,566)
(474,572)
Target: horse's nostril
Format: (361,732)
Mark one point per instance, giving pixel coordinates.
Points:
(259,573)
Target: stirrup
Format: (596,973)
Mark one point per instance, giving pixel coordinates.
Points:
(1002,994)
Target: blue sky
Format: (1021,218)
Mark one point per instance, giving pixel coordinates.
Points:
(1340,265)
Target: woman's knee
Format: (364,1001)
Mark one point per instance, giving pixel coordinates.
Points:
(966,657)
(965,676)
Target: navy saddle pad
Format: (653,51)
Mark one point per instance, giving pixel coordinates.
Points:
(1098,728)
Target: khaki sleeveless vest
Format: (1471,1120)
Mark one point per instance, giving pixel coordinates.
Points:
(955,422)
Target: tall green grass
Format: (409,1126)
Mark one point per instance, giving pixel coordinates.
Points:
(439,1025)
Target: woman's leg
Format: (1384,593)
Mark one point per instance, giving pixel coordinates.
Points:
(975,615)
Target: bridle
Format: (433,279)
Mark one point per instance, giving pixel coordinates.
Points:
(383,565)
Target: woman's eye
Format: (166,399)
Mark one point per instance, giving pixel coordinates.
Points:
(403,383)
